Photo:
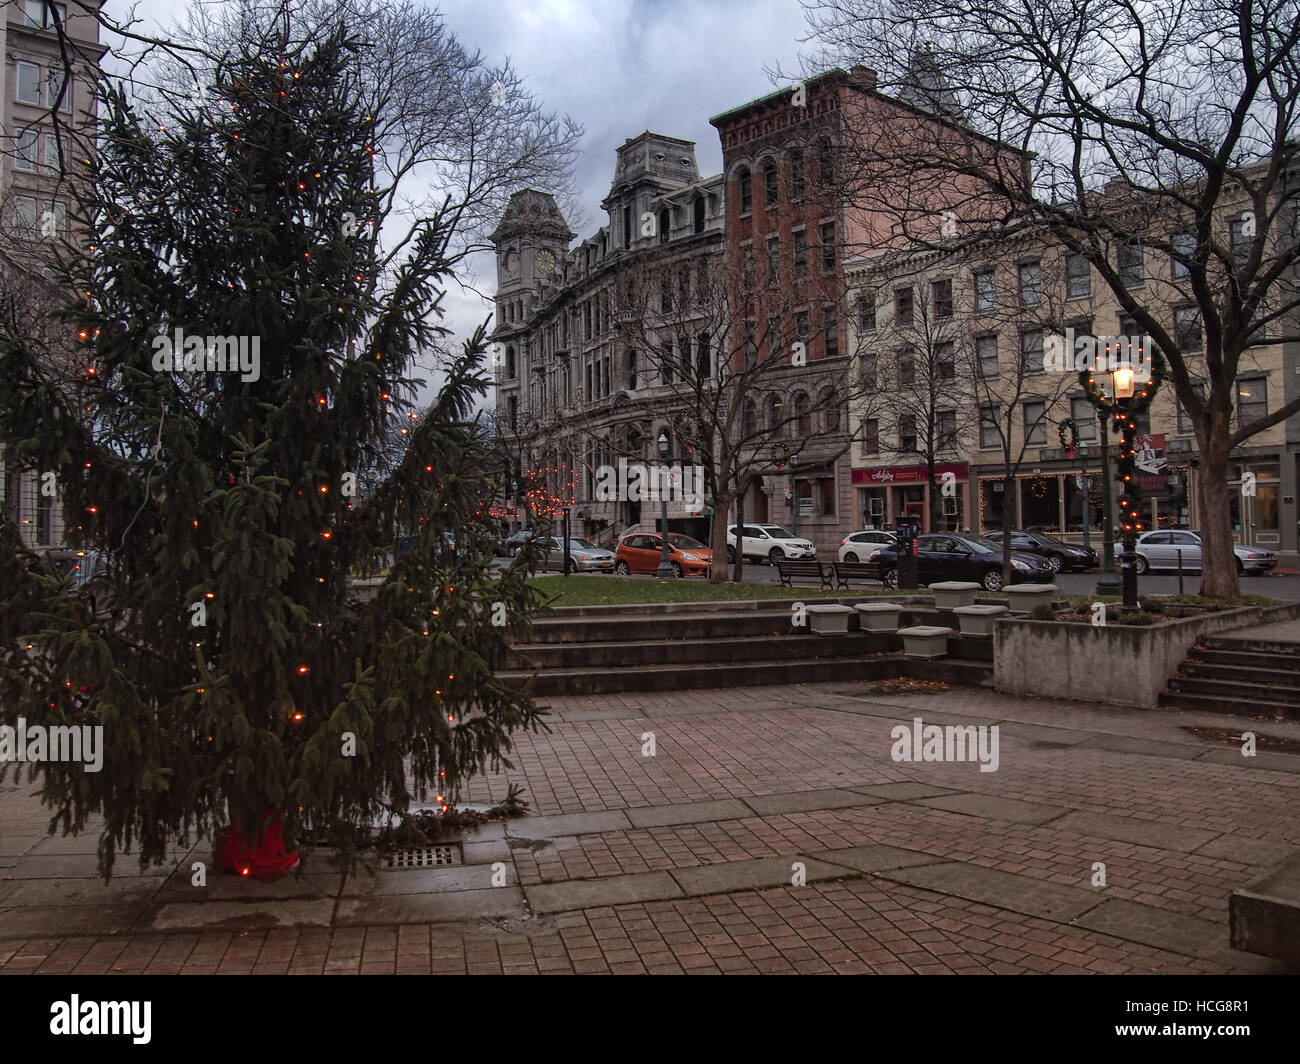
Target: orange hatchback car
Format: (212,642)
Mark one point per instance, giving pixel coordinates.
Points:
(640,552)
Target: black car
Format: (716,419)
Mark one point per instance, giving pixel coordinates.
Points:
(1062,556)
(944,556)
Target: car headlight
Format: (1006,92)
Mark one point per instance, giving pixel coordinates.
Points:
(1020,565)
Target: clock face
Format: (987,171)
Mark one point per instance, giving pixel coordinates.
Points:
(510,260)
(545,261)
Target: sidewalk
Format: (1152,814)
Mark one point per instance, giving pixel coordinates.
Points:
(684,861)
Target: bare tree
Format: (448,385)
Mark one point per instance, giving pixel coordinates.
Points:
(1171,130)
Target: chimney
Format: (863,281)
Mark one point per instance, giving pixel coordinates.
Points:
(863,76)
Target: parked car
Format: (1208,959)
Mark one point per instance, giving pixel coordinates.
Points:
(857,546)
(945,556)
(640,553)
(584,556)
(1160,550)
(517,539)
(769,543)
(1062,556)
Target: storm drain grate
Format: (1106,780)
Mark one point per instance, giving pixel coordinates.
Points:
(422,857)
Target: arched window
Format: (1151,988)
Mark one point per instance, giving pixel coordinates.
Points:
(665,223)
(776,416)
(749,421)
(746,190)
(699,214)
(831,410)
(512,368)
(797,184)
(825,163)
(704,356)
(803,412)
(769,184)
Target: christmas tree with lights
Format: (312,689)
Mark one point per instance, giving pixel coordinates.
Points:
(238,441)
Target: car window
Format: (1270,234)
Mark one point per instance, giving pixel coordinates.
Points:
(1157,538)
(932,543)
(582,544)
(684,542)
(754,532)
(1184,538)
(777,532)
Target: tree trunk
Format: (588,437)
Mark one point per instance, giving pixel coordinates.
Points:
(718,541)
(739,573)
(1218,562)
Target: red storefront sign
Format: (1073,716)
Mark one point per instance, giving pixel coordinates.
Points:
(1151,466)
(909,474)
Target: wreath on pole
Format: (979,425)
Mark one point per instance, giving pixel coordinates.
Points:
(1068,433)
(780,455)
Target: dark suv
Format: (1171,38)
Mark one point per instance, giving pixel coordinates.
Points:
(944,556)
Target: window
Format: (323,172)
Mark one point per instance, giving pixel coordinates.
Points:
(702,279)
(748,347)
(1035,412)
(803,414)
(942,294)
(903,306)
(773,260)
(1078,277)
(1031,283)
(945,360)
(800,253)
(1084,416)
(25,217)
(907,432)
(797,184)
(586,320)
(825,164)
(801,327)
(830,332)
(985,291)
(1129,259)
(25,151)
(749,421)
(773,340)
(1187,328)
(512,365)
(54,94)
(827,486)
(590,394)
(986,351)
(769,185)
(946,429)
(704,356)
(631,370)
(870,436)
(666,361)
(42,15)
(867,312)
(627,227)
(990,433)
(747,267)
(665,295)
(29,82)
(1239,241)
(831,409)
(776,416)
(699,214)
(1183,245)
(906,367)
(828,245)
(1252,400)
(746,190)
(684,281)
(665,224)
(1031,351)
(867,371)
(53,161)
(1186,427)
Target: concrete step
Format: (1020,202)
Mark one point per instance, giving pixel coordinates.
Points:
(1252,646)
(1248,658)
(1247,674)
(1264,917)
(1248,690)
(687,651)
(1242,707)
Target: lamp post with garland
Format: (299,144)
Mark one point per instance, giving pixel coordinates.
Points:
(1068,432)
(1127,399)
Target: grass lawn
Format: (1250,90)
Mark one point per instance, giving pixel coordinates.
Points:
(599,589)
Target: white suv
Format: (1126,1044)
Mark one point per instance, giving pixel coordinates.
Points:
(768,542)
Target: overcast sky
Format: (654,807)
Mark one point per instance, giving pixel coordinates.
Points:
(618,67)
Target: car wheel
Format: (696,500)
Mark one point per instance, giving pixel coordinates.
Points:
(1056,562)
(1241,569)
(1141,565)
(889,577)
(677,570)
(992,580)
(622,569)
(571,568)
(776,554)
(731,555)
(850,557)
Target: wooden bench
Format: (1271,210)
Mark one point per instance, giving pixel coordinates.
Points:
(787,569)
(846,571)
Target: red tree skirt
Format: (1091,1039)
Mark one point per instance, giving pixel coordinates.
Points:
(267,861)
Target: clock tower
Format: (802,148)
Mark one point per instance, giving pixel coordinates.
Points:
(531,242)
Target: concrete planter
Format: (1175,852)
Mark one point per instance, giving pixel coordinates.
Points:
(830,619)
(953,594)
(925,641)
(978,620)
(1120,664)
(1024,597)
(878,616)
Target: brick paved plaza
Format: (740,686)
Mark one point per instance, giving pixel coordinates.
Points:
(682,861)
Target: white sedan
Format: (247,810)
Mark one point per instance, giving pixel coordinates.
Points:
(857,546)
(1161,550)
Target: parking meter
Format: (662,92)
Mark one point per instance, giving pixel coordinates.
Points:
(907,557)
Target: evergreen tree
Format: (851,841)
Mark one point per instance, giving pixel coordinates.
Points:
(234,674)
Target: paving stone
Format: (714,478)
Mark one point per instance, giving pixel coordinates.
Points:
(223,886)
(904,791)
(494,902)
(24,893)
(1042,733)
(1141,832)
(423,880)
(1001,889)
(1131,744)
(804,801)
(1175,932)
(1261,852)
(553,827)
(876,857)
(688,813)
(486,852)
(609,890)
(576,715)
(992,807)
(97,918)
(1263,759)
(238,916)
(757,874)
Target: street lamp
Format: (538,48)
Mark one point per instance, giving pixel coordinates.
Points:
(1122,380)
(665,566)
